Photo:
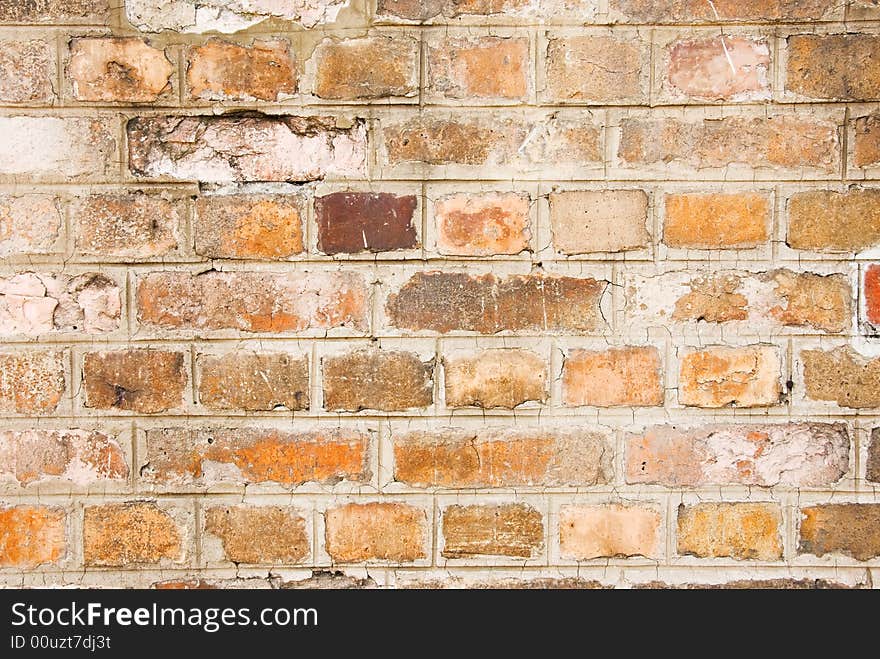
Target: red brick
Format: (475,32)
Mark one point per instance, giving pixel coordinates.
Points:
(29,224)
(120,69)
(482,224)
(628,376)
(726,376)
(253,381)
(736,530)
(479,68)
(141,380)
(515,530)
(842,376)
(352,222)
(719,69)
(27,71)
(219,70)
(723,11)
(824,220)
(267,535)
(503,377)
(392,532)
(716,220)
(367,68)
(586,221)
(378,380)
(608,531)
(871,292)
(596,69)
(850,529)
(31,536)
(31,382)
(132,533)
(94,12)
(834,66)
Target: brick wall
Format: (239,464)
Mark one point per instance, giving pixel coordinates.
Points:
(440,293)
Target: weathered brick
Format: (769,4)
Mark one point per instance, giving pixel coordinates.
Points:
(74,456)
(584,221)
(736,530)
(367,68)
(118,69)
(525,10)
(866,150)
(503,457)
(139,380)
(872,465)
(723,11)
(32,303)
(392,532)
(850,529)
(253,381)
(27,71)
(596,69)
(253,301)
(131,533)
(515,529)
(485,67)
(352,222)
(783,142)
(843,376)
(502,377)
(205,457)
(29,224)
(446,301)
(219,70)
(630,376)
(96,12)
(754,584)
(135,226)
(249,226)
(247,147)
(837,66)
(812,300)
(789,454)
(31,382)
(259,534)
(718,69)
(378,380)
(824,220)
(482,224)
(871,294)
(608,531)
(31,536)
(736,377)
(716,220)
(64,148)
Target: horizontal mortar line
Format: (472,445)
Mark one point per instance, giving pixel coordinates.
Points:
(511,181)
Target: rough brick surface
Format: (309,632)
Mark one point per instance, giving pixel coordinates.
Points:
(726,11)
(220,70)
(393,532)
(866,150)
(352,222)
(259,535)
(482,224)
(146,381)
(620,376)
(587,532)
(31,536)
(719,69)
(738,530)
(372,67)
(834,221)
(120,69)
(607,221)
(713,221)
(839,66)
(848,529)
(27,72)
(509,530)
(29,224)
(495,378)
(31,382)
(378,380)
(485,68)
(739,377)
(254,381)
(121,534)
(872,466)
(843,376)
(596,70)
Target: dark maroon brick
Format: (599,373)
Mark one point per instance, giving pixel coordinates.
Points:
(351,222)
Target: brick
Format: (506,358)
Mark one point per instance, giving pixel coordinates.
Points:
(824,220)
(584,221)
(630,376)
(118,69)
(524,10)
(95,12)
(219,70)
(723,11)
(716,220)
(503,377)
(834,66)
(27,71)
(871,293)
(515,530)
(596,69)
(253,381)
(842,376)
(140,380)
(253,301)
(811,300)
(259,535)
(131,533)
(872,465)
(783,142)
(249,226)
(352,222)
(330,580)
(730,377)
(31,536)
(755,584)
(794,455)
(392,532)
(238,456)
(367,68)
(482,224)
(63,148)
(850,529)
(78,457)
(29,224)
(226,15)
(608,531)
(377,379)
(134,226)
(224,149)
(718,69)
(744,531)
(503,457)
(31,382)
(41,303)
(866,149)
(446,301)
(487,67)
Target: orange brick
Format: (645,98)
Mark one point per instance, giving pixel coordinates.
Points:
(719,69)
(618,377)
(220,70)
(479,68)
(259,534)
(608,531)
(842,376)
(495,378)
(142,380)
(31,536)
(596,69)
(834,66)
(122,69)
(393,532)
(850,529)
(132,533)
(482,224)
(31,382)
(825,220)
(716,220)
(515,530)
(253,381)
(723,376)
(367,68)
(736,530)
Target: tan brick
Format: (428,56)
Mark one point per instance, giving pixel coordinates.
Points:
(716,220)
(134,226)
(835,66)
(522,10)
(29,224)
(824,220)
(515,530)
(377,379)
(392,532)
(608,531)
(842,376)
(482,224)
(226,15)
(219,70)
(596,69)
(723,11)
(253,381)
(31,382)
(118,69)
(503,377)
(872,464)
(736,530)
(850,529)
(140,380)
(96,12)
(486,67)
(720,68)
(259,534)
(503,457)
(31,535)
(367,68)
(725,376)
(866,150)
(353,222)
(630,376)
(811,300)
(132,533)
(27,71)
(584,221)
